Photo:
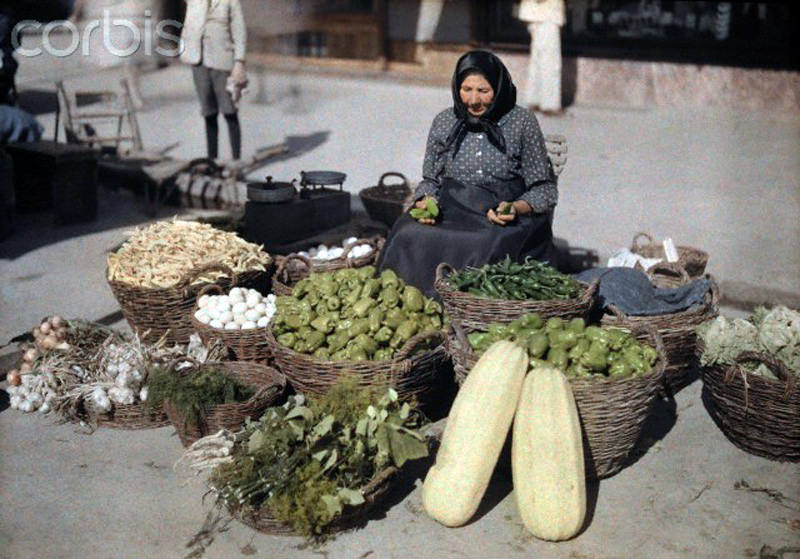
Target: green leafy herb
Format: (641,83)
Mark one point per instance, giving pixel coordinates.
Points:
(306,461)
(193,394)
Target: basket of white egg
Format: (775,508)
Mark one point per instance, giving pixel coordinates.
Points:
(238,319)
(353,253)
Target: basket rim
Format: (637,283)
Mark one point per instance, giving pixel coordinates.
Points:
(713,296)
(179,287)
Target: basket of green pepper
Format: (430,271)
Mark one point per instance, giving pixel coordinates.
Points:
(506,290)
(615,375)
(354,321)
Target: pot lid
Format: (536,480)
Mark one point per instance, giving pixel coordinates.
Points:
(271,185)
(321,177)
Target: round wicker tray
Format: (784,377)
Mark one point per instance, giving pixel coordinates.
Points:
(417,376)
(678,332)
(612,410)
(168,310)
(246,345)
(294,267)
(372,492)
(759,415)
(269,384)
(691,259)
(478,313)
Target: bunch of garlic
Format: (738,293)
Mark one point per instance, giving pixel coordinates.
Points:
(122,365)
(240,309)
(34,392)
(323,252)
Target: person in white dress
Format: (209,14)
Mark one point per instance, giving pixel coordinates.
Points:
(543,84)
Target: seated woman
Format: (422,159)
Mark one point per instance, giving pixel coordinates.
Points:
(487,167)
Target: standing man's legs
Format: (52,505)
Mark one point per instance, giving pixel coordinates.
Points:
(548,52)
(208,107)
(227,107)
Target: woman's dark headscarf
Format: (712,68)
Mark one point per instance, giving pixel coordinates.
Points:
(505,97)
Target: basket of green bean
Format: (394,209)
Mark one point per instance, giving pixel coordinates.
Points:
(615,375)
(506,290)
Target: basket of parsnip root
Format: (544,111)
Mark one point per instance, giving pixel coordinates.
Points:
(158,272)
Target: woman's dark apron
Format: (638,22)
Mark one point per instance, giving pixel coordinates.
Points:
(463,235)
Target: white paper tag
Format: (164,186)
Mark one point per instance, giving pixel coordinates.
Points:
(669,250)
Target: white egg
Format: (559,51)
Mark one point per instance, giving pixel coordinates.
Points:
(232,326)
(215,324)
(253,301)
(349,241)
(237,297)
(213,313)
(239,308)
(252,315)
(335,252)
(321,248)
(322,255)
(225,317)
(235,292)
(239,319)
(248,325)
(306,254)
(263,322)
(223,306)
(271,298)
(202,301)
(260,308)
(204,318)
(254,293)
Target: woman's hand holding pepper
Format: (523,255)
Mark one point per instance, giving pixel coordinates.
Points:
(421,204)
(507,212)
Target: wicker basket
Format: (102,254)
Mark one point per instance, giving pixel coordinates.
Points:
(678,332)
(612,410)
(269,384)
(417,376)
(129,417)
(168,310)
(245,345)
(479,312)
(759,415)
(691,259)
(294,267)
(353,516)
(385,202)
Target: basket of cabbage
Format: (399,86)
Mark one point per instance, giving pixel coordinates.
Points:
(751,380)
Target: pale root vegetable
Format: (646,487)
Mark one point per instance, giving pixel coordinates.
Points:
(547,463)
(476,429)
(57,321)
(49,342)
(45,328)
(30,355)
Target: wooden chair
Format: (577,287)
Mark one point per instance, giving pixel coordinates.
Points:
(556,145)
(107,110)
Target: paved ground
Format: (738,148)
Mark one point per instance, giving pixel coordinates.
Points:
(726,182)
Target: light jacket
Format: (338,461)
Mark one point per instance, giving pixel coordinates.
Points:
(214,34)
(538,11)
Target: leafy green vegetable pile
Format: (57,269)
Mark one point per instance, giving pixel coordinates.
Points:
(195,393)
(306,461)
(573,347)
(531,280)
(351,314)
(775,331)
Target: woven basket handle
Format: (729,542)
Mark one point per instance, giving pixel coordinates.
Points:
(673,268)
(209,288)
(775,365)
(172,365)
(416,341)
(617,312)
(192,274)
(460,334)
(282,273)
(654,335)
(635,247)
(393,174)
(591,290)
(371,241)
(442,269)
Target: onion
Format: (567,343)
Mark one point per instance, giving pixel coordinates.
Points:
(37,333)
(56,321)
(45,327)
(61,333)
(13,377)
(30,355)
(25,368)
(49,342)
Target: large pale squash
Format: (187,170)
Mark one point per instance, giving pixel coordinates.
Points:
(477,427)
(547,457)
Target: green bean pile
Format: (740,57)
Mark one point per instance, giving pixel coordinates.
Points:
(530,280)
